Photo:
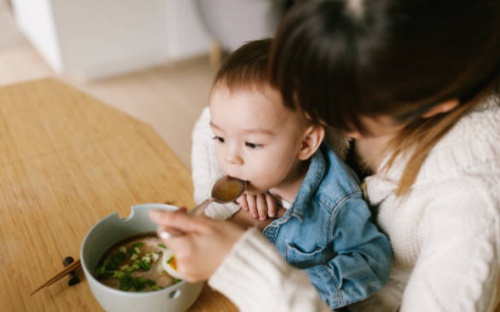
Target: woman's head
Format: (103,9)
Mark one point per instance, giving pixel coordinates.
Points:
(340,60)
(345,61)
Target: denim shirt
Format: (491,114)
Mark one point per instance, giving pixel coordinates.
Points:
(329,233)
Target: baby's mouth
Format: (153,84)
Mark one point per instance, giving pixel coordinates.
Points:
(247,183)
(237,178)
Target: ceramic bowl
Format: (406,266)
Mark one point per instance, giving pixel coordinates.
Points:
(110,231)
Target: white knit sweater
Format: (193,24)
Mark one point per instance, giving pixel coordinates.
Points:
(205,169)
(445,235)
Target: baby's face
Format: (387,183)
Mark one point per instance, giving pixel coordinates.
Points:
(257,138)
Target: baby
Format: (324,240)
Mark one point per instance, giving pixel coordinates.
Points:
(326,229)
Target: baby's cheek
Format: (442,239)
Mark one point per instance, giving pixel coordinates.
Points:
(220,158)
(260,185)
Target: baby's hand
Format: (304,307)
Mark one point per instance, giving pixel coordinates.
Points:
(259,206)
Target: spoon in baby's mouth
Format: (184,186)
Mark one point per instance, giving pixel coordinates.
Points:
(225,190)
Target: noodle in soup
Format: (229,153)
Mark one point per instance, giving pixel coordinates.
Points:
(134,265)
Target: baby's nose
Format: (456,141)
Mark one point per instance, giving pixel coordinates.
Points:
(234,157)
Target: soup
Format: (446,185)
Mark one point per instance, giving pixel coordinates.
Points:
(135,265)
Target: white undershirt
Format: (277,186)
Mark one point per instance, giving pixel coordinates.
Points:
(283,203)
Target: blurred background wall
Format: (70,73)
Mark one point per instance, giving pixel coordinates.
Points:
(93,39)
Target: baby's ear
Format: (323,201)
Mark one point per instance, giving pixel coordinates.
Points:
(313,136)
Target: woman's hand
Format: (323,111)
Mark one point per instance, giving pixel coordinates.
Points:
(203,244)
(259,206)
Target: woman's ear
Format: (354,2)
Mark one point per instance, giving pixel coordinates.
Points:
(442,107)
(313,137)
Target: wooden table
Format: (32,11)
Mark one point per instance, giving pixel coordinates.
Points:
(67,161)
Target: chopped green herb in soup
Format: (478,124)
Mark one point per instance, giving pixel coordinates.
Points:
(135,265)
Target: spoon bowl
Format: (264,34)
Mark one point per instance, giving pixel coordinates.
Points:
(228,189)
(224,190)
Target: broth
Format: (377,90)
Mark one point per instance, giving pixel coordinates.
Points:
(134,264)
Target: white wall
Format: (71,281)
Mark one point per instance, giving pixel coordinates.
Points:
(35,19)
(186,34)
(92,39)
(102,38)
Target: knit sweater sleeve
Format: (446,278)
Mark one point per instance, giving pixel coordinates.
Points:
(458,268)
(205,169)
(256,278)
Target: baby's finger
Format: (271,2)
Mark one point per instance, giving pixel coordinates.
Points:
(252,207)
(271,206)
(242,201)
(262,207)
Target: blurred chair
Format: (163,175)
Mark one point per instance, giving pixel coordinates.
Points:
(231,23)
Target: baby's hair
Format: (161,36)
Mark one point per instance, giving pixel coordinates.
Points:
(340,60)
(248,66)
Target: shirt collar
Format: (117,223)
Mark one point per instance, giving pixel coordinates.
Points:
(312,180)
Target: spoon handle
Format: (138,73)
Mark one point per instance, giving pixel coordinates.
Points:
(198,210)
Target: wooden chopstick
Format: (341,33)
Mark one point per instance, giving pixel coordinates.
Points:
(58,276)
(73,266)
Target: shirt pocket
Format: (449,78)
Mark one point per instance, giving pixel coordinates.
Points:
(302,257)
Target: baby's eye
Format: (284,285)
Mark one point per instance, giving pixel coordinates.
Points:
(253,145)
(219,139)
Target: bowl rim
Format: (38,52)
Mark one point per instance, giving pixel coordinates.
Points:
(89,275)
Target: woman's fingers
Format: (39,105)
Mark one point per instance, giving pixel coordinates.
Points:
(178,221)
(203,244)
(165,232)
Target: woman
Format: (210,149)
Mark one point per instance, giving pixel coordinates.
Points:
(415,84)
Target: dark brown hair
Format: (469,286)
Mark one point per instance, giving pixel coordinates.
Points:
(340,60)
(246,66)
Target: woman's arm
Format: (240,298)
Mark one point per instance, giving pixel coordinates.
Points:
(241,264)
(256,278)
